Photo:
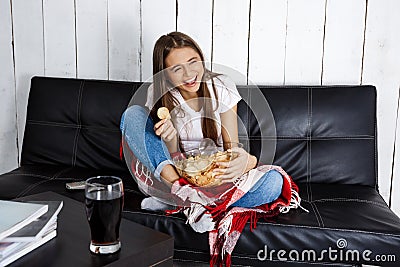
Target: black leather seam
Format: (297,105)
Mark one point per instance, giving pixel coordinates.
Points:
(319,215)
(56,176)
(254,258)
(341,138)
(192,251)
(68,125)
(375,155)
(196,261)
(75,147)
(333,138)
(29,174)
(152,214)
(67,178)
(320,224)
(328,228)
(350,200)
(310,105)
(29,188)
(315,87)
(308,186)
(287,261)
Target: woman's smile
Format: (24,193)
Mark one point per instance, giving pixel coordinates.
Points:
(191,82)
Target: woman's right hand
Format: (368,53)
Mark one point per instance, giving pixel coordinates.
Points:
(166,130)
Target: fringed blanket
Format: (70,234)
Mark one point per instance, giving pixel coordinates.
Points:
(225,223)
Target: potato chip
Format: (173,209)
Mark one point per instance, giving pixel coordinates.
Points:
(163,113)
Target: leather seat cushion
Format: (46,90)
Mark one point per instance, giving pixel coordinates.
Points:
(367,216)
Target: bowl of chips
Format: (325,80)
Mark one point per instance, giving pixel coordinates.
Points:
(197,165)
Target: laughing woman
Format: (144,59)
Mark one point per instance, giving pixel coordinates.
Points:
(202,105)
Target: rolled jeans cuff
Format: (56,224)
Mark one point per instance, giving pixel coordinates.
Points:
(157,172)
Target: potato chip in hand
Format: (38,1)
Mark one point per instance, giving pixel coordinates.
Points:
(163,113)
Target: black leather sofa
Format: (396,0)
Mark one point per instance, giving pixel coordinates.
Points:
(326,140)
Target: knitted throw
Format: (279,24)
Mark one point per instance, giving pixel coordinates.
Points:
(225,223)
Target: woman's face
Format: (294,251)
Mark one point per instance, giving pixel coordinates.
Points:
(185,69)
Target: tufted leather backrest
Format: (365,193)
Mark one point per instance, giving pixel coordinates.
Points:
(318,134)
(75,122)
(325,134)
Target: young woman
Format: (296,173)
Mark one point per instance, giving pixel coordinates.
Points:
(202,105)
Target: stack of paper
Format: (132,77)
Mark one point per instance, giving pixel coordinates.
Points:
(25,226)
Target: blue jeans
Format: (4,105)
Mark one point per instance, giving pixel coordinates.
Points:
(266,190)
(137,129)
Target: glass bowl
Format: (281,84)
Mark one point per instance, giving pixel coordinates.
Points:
(197,165)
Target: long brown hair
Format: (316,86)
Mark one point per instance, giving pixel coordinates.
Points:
(162,86)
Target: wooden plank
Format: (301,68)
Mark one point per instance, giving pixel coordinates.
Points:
(267,42)
(91,38)
(304,42)
(382,69)
(395,193)
(158,18)
(124,39)
(59,38)
(8,123)
(343,46)
(28,51)
(230,40)
(201,30)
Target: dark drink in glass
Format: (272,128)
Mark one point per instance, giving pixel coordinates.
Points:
(104,197)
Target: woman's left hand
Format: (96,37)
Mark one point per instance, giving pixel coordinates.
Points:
(229,171)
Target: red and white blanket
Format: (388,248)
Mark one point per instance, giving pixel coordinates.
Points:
(225,223)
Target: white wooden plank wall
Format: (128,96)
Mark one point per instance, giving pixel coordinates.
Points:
(262,41)
(91,39)
(267,42)
(158,18)
(59,38)
(230,38)
(8,125)
(343,45)
(304,42)
(124,40)
(28,53)
(382,69)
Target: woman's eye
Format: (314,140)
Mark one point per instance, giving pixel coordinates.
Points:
(177,69)
(192,62)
